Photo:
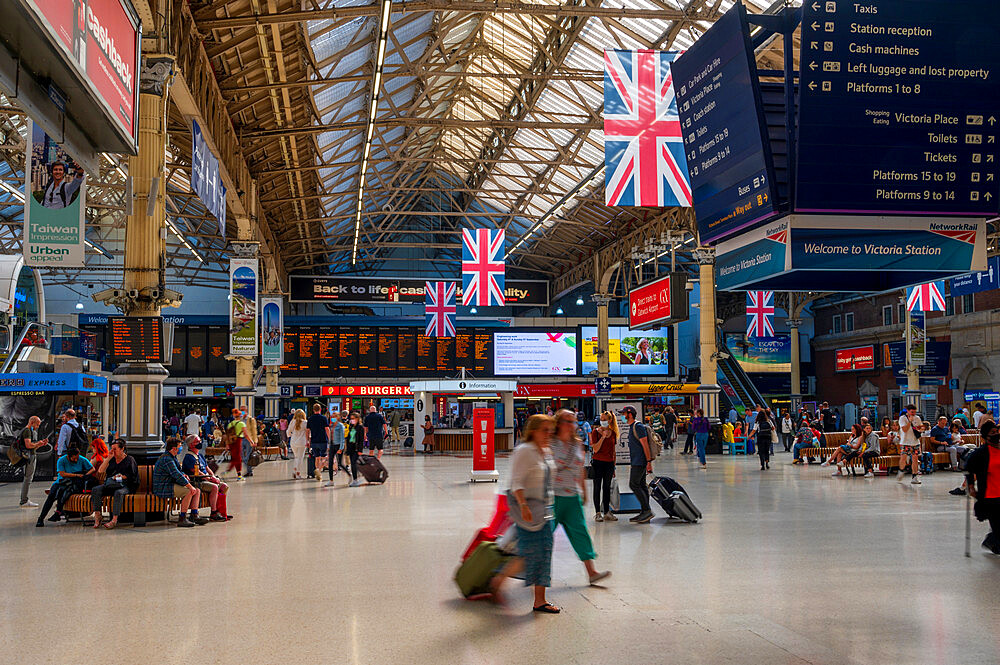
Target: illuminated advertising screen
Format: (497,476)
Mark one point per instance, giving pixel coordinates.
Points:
(633,352)
(761,354)
(534,354)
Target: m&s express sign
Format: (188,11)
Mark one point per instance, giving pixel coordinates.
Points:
(856,358)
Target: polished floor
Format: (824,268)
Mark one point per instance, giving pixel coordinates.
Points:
(788,566)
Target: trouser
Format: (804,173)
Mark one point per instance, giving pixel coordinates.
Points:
(29,474)
(786,440)
(353,455)
(58,495)
(247,449)
(689,442)
(113,488)
(764,447)
(952,453)
(336,452)
(236,457)
(798,447)
(569,512)
(637,483)
(867,458)
(701,439)
(603,474)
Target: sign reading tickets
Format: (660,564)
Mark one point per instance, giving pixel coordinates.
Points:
(272,347)
(205,179)
(657,303)
(243,280)
(54,195)
(856,358)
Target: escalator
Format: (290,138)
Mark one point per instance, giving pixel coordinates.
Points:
(733,375)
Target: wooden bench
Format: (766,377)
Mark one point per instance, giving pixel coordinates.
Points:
(139,504)
(885,462)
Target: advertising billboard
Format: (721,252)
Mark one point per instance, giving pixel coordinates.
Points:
(855,359)
(534,354)
(633,352)
(761,354)
(657,303)
(243,281)
(272,346)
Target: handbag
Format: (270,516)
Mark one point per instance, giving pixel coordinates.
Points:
(254,458)
(774,435)
(212,464)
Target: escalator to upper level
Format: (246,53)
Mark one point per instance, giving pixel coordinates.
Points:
(732,373)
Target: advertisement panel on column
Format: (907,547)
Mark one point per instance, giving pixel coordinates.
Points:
(243,281)
(272,347)
(916,338)
(54,197)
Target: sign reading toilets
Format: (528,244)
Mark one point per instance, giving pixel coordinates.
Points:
(243,283)
(483,458)
(54,204)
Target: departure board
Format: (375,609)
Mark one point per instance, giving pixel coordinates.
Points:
(291,341)
(367,351)
(178,363)
(426,355)
(328,353)
(465,349)
(136,339)
(445,355)
(387,351)
(218,347)
(483,353)
(406,356)
(308,351)
(197,351)
(348,353)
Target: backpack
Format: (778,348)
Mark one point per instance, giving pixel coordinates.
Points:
(81,439)
(655,444)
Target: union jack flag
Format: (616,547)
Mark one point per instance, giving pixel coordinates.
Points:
(483,267)
(643,150)
(926,297)
(439,308)
(760,312)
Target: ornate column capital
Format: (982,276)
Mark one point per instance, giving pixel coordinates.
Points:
(155,74)
(794,323)
(705,255)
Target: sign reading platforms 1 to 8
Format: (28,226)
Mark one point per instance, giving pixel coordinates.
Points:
(718,99)
(898,108)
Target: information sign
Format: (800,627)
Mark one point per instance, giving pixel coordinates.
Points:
(136,339)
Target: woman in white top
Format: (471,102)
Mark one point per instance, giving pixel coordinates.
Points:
(787,431)
(298,437)
(531,472)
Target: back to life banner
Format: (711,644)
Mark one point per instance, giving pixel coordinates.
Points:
(54,204)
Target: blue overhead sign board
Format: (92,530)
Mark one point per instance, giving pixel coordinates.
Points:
(205,178)
(898,107)
(52,383)
(985,280)
(938,359)
(722,122)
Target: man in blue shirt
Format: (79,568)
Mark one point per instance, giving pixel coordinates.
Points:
(169,482)
(941,437)
(66,431)
(751,417)
(72,473)
(733,415)
(640,460)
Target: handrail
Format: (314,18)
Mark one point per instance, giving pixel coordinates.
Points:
(17,345)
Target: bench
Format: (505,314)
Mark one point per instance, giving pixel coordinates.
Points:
(139,504)
(884,462)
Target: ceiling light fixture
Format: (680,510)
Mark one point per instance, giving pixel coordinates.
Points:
(79,305)
(579,301)
(183,240)
(98,248)
(559,311)
(382,40)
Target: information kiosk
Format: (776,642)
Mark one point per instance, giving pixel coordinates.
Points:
(451,403)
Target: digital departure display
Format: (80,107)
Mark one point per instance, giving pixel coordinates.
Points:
(348,353)
(484,352)
(445,355)
(218,347)
(367,351)
(327,359)
(388,349)
(291,341)
(406,356)
(178,363)
(308,353)
(465,349)
(426,355)
(136,339)
(197,351)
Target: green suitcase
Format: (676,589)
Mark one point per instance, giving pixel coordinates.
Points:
(474,575)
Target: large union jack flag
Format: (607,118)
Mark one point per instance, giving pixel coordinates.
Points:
(483,256)
(760,313)
(439,308)
(926,297)
(643,151)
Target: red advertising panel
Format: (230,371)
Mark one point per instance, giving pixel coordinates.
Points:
(856,358)
(100,38)
(555,390)
(482,440)
(659,302)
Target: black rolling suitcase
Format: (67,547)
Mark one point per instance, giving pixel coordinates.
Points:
(675,502)
(372,469)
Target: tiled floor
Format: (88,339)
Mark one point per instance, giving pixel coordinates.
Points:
(788,566)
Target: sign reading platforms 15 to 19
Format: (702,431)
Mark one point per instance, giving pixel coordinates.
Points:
(898,108)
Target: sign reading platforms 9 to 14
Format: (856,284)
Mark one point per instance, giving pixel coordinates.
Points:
(899,107)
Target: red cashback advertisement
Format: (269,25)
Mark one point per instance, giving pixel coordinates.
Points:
(856,358)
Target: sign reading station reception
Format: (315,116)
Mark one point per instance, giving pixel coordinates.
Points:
(54,196)
(272,347)
(243,279)
(483,459)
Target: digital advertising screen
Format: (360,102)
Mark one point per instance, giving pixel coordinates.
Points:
(534,353)
(761,354)
(630,352)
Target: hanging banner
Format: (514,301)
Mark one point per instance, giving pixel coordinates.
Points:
(205,179)
(916,339)
(272,331)
(54,196)
(243,278)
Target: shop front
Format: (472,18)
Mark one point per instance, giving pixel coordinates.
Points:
(207,400)
(531,398)
(450,404)
(395,403)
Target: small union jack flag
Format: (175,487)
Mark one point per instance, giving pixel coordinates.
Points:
(483,267)
(760,313)
(926,297)
(643,150)
(439,308)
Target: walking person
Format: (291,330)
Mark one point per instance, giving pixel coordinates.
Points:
(337,439)
(352,446)
(251,437)
(234,433)
(670,426)
(689,441)
(26,444)
(641,463)
(319,440)
(569,486)
(909,443)
(699,427)
(787,431)
(982,470)
(763,428)
(531,471)
(604,439)
(298,439)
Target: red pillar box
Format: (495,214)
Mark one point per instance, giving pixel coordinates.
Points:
(483,459)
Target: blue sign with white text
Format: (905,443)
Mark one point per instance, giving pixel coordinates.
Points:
(975,282)
(205,179)
(52,383)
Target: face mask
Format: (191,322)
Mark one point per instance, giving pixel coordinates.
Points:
(604,423)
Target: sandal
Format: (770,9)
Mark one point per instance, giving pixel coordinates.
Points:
(111,525)
(548,608)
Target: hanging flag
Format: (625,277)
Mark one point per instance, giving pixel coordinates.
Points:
(483,267)
(439,308)
(643,151)
(926,297)
(760,313)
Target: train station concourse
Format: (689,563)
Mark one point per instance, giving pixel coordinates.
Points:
(487,332)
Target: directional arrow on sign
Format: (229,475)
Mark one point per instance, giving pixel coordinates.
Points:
(814,46)
(989,159)
(815,25)
(987,196)
(812,65)
(812,85)
(815,6)
(992,120)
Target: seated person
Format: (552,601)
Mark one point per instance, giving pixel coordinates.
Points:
(727,432)
(169,482)
(806,438)
(871,451)
(852,446)
(958,423)
(74,474)
(100,451)
(217,437)
(738,430)
(121,477)
(196,467)
(942,441)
